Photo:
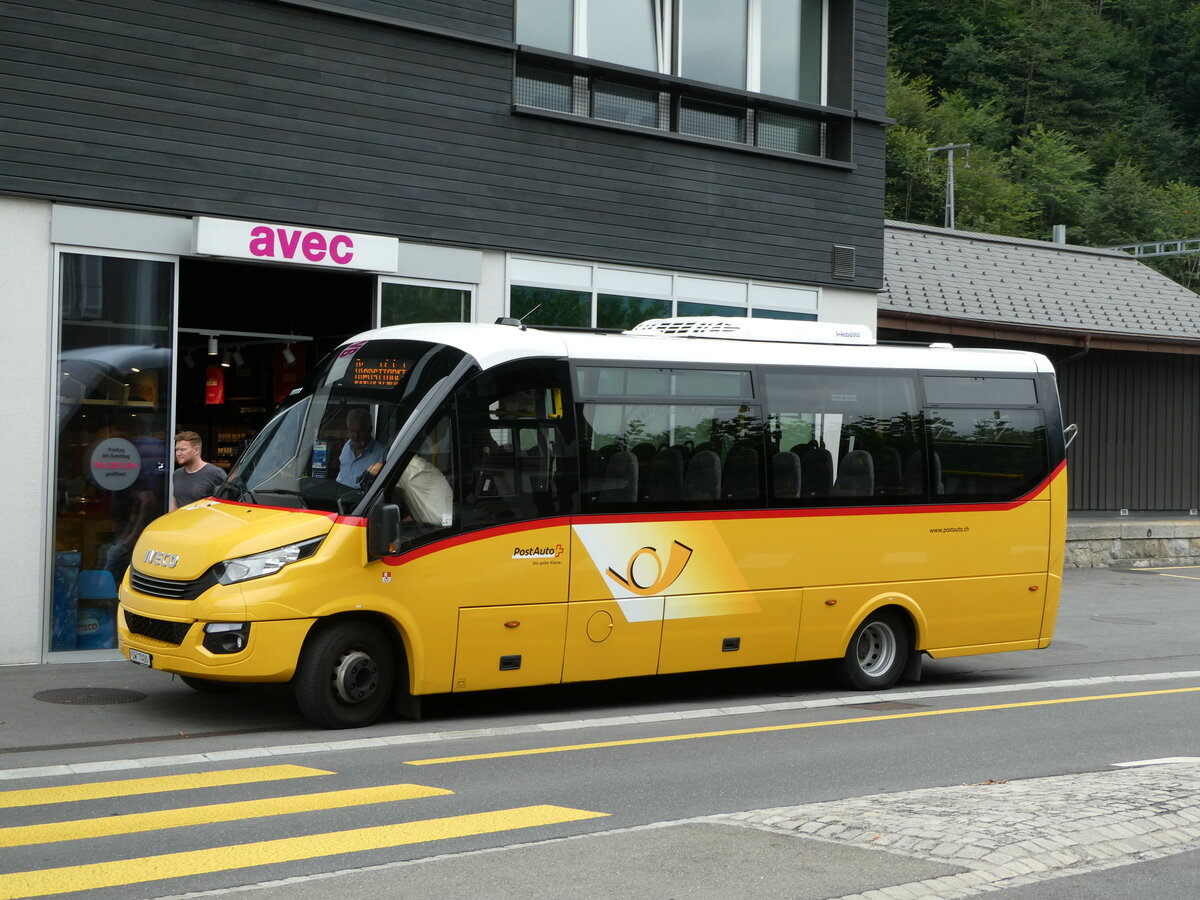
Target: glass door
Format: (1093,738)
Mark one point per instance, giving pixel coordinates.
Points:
(113,460)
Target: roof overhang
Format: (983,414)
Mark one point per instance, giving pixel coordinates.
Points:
(1032,334)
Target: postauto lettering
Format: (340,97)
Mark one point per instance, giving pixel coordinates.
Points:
(535,552)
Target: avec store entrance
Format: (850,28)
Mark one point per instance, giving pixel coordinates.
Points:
(136,367)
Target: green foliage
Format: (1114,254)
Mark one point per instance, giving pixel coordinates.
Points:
(1084,113)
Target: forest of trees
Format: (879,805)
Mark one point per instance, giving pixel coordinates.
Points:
(1083,113)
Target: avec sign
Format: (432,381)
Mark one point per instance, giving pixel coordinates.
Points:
(295,244)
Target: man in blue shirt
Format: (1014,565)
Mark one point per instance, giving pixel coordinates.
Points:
(361,454)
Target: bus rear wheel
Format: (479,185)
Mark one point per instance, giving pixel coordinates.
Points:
(877,654)
(345,675)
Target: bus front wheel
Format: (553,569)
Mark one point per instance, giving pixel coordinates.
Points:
(344,677)
(877,654)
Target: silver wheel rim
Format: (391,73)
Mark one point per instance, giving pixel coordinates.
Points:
(876,649)
(356,677)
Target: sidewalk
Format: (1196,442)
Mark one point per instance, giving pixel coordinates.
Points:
(102,704)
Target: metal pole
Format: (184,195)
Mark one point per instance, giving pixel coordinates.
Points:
(948,219)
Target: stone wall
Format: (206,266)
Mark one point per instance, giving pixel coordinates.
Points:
(1132,543)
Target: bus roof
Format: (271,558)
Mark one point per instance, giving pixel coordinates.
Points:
(493,345)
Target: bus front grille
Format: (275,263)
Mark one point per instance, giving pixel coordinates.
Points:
(168,589)
(171,633)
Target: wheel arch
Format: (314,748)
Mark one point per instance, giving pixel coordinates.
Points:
(898,601)
(392,630)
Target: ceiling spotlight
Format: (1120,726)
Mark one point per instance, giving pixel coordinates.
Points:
(212,345)
(288,356)
(225,363)
(238,359)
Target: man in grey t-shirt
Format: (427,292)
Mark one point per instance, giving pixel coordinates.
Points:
(193,479)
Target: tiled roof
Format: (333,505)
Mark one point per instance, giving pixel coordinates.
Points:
(998,280)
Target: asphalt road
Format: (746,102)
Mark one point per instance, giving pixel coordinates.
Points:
(995,773)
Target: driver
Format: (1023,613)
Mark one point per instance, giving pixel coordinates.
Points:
(361,454)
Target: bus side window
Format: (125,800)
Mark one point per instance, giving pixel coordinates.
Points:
(424,486)
(517,445)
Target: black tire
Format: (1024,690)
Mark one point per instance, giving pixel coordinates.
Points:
(345,675)
(877,654)
(208,686)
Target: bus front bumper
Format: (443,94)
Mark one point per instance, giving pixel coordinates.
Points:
(269,653)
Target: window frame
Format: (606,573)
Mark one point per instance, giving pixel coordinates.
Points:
(668,22)
(678,292)
(469,289)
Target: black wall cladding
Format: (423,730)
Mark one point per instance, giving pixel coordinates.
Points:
(271,110)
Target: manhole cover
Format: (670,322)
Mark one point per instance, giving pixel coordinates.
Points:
(885,704)
(1118,620)
(89,696)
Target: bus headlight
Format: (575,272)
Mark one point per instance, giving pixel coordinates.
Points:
(257,565)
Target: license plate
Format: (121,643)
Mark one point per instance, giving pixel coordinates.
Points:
(140,657)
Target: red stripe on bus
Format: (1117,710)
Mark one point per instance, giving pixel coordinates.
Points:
(723,515)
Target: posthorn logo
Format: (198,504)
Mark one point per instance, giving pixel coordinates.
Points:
(664,575)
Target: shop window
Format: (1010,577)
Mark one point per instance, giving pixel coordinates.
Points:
(548,306)
(783,314)
(564,294)
(114,438)
(613,311)
(403,304)
(692,308)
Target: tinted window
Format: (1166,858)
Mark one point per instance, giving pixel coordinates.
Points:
(517,447)
(845,438)
(965,389)
(624,381)
(987,453)
(642,455)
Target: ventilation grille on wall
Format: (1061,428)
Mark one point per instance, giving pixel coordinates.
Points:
(843,262)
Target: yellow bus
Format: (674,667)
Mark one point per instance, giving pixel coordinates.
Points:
(464,507)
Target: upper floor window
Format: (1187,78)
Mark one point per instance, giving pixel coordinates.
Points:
(772,47)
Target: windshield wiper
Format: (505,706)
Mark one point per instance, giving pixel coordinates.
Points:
(236,482)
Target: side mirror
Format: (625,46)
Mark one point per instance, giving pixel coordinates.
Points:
(383,530)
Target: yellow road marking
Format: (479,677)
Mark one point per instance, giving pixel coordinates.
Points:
(80,829)
(764,729)
(129,787)
(1173,575)
(1160,568)
(244,856)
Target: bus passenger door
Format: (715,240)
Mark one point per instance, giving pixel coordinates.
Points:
(512,566)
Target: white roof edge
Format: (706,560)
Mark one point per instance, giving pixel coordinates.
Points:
(493,345)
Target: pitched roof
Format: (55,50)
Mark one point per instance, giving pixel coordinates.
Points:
(1006,282)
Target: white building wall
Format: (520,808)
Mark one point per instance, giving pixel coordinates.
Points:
(850,307)
(25,309)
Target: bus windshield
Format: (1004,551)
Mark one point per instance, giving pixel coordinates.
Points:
(321,451)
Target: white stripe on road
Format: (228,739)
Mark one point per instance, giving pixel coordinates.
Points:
(432,737)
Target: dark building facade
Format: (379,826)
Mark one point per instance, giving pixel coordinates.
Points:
(200,199)
(1124,340)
